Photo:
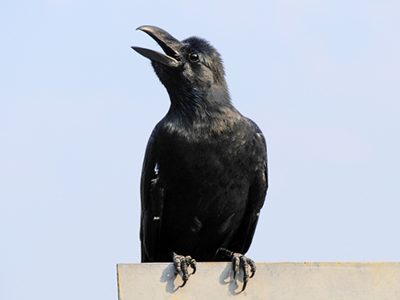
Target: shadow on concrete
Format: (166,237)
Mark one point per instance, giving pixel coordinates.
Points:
(168,275)
(173,281)
(226,278)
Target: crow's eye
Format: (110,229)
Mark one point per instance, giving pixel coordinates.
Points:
(194,57)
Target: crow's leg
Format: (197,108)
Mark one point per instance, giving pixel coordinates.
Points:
(238,260)
(181,264)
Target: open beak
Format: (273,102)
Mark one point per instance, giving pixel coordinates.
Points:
(167,42)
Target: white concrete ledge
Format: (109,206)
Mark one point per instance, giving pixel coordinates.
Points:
(283,281)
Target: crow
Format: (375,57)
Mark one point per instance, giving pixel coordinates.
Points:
(204,177)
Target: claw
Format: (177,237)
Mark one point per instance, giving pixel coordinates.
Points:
(185,271)
(245,271)
(192,263)
(235,265)
(253,267)
(238,260)
(181,264)
(184,282)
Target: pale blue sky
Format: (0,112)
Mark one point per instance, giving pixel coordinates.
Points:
(77,105)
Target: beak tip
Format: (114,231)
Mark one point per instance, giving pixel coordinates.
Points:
(146,28)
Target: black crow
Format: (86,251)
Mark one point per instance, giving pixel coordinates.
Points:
(204,177)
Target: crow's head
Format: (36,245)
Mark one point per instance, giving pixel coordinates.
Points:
(191,66)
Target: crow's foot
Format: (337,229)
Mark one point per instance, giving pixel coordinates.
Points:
(181,264)
(238,260)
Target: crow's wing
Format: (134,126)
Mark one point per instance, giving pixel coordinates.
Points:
(152,202)
(241,240)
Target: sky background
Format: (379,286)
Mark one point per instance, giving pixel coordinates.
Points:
(77,106)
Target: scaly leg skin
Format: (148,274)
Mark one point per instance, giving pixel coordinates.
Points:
(181,264)
(237,260)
